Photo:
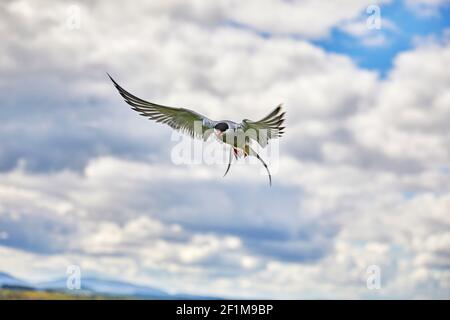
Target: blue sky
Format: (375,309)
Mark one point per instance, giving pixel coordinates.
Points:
(408,27)
(360,178)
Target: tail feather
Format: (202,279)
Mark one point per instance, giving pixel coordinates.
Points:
(248,151)
(255,154)
(229,162)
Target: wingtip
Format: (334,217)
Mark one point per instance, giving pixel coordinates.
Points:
(111,78)
(279,108)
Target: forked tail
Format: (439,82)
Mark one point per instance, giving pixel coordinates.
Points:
(255,154)
(229,162)
(248,152)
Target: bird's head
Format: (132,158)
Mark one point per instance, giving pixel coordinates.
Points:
(220,128)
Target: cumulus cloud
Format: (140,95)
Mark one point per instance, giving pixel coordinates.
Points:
(411,126)
(363,171)
(426,8)
(369,31)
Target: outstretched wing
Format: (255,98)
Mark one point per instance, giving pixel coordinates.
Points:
(181,119)
(265,129)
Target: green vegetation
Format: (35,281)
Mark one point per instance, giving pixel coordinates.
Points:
(7,294)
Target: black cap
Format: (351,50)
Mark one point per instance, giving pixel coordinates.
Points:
(221,126)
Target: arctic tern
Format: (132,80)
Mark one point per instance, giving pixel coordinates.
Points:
(237,135)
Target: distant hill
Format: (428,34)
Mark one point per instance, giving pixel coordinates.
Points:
(94,287)
(106,286)
(7,280)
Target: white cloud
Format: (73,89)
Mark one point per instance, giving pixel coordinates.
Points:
(408,119)
(360,182)
(311,19)
(370,36)
(426,8)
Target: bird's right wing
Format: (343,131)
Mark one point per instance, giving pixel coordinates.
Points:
(181,119)
(265,129)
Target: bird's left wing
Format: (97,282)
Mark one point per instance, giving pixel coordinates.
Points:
(181,119)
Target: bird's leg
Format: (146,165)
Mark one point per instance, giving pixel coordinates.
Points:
(229,161)
(246,150)
(236,152)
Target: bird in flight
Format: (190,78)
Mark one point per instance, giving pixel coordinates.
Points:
(237,135)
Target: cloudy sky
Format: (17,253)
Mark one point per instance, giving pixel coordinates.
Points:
(363,174)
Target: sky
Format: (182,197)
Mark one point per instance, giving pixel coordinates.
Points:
(363,171)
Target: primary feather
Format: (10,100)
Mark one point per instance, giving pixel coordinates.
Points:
(181,119)
(267,128)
